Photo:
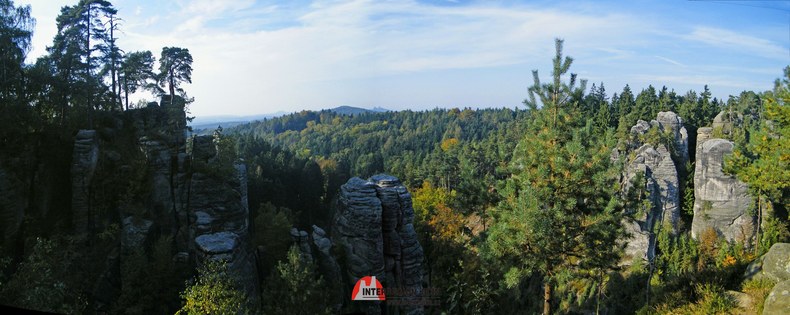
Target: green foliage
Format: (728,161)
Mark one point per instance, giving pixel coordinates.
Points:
(150,284)
(136,72)
(774,231)
(762,160)
(711,299)
(214,292)
(175,68)
(41,281)
(688,192)
(471,290)
(16,30)
(294,287)
(272,231)
(558,213)
(758,290)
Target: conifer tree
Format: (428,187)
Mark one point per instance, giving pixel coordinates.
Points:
(764,161)
(558,212)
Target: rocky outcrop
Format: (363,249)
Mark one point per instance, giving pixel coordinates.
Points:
(84,161)
(774,265)
(661,184)
(203,209)
(721,201)
(219,214)
(374,227)
(778,301)
(657,167)
(316,248)
(135,233)
(672,123)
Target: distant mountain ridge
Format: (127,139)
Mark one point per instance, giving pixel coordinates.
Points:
(350,110)
(227,121)
(207,124)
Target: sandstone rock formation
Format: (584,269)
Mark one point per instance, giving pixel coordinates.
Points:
(659,170)
(135,233)
(83,167)
(316,248)
(721,201)
(219,214)
(204,211)
(671,122)
(373,226)
(661,183)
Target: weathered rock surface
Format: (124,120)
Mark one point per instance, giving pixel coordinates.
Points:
(776,263)
(672,123)
(316,247)
(83,167)
(206,213)
(662,185)
(721,201)
(778,301)
(135,233)
(374,227)
(219,216)
(660,179)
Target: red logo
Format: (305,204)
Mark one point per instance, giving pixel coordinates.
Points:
(368,289)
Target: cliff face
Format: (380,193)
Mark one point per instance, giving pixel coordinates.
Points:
(659,169)
(219,220)
(721,201)
(204,212)
(84,161)
(373,226)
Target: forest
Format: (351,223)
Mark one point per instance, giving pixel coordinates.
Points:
(582,200)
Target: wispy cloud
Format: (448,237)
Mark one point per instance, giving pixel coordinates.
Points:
(670,61)
(264,56)
(731,40)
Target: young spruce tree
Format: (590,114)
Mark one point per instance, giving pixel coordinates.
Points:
(559,213)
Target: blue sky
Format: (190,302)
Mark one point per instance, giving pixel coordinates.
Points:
(254,57)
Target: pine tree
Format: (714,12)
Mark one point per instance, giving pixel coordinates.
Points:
(294,287)
(764,161)
(558,213)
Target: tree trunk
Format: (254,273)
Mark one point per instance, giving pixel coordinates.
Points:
(759,222)
(115,92)
(172,87)
(126,91)
(546,298)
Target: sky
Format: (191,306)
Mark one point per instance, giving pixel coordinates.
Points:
(258,57)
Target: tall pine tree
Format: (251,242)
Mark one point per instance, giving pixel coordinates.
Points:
(558,214)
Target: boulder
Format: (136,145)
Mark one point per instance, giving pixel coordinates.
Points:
(776,262)
(721,201)
(778,301)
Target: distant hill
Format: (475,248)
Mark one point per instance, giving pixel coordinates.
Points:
(350,110)
(207,124)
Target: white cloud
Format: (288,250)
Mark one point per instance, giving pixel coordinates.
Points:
(253,58)
(731,40)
